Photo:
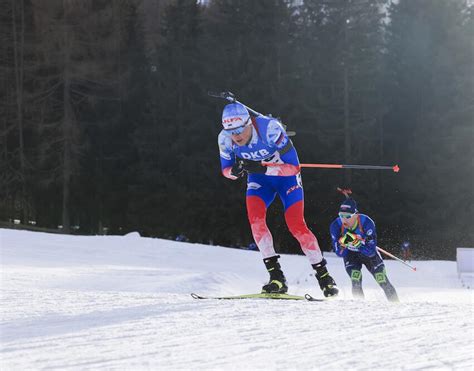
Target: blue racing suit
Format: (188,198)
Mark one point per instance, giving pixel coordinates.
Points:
(362,252)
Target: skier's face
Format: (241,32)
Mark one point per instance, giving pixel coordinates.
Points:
(244,137)
(348,220)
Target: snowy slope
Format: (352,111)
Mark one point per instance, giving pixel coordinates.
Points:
(116,303)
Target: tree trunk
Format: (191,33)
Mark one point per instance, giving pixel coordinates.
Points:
(180,85)
(67,131)
(347,128)
(18,57)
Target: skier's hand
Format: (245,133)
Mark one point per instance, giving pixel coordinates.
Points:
(340,249)
(342,242)
(254,167)
(237,169)
(351,240)
(355,243)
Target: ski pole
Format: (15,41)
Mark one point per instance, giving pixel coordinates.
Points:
(394,257)
(395,168)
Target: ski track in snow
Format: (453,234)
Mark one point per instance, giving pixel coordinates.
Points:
(114,303)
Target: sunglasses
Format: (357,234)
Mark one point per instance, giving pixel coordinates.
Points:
(345,215)
(239,130)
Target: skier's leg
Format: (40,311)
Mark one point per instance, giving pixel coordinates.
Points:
(356,279)
(257,213)
(294,217)
(259,196)
(354,270)
(292,196)
(376,266)
(291,193)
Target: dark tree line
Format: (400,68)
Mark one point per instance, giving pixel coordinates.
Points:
(105,121)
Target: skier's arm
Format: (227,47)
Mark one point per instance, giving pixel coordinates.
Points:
(335,231)
(226,168)
(226,155)
(369,246)
(285,156)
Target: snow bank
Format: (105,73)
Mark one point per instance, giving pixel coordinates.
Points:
(113,302)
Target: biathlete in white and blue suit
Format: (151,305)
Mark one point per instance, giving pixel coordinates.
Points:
(246,142)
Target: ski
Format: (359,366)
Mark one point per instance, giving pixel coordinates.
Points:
(306,297)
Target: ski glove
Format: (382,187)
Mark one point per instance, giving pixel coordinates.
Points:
(351,240)
(254,167)
(251,167)
(237,169)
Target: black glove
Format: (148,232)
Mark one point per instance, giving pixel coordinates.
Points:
(254,167)
(237,169)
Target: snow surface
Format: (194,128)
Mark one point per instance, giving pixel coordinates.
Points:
(122,302)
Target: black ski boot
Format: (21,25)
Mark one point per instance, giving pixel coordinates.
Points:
(390,292)
(277,283)
(326,282)
(357,292)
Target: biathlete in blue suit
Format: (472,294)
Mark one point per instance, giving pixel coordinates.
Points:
(354,238)
(244,143)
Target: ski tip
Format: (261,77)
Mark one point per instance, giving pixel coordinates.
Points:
(312,298)
(195,296)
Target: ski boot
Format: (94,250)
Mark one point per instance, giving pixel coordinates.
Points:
(326,282)
(357,292)
(277,283)
(390,292)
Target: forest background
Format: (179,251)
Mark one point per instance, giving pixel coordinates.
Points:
(106,127)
